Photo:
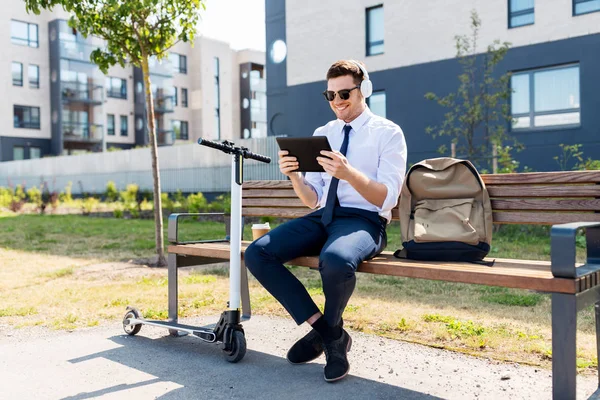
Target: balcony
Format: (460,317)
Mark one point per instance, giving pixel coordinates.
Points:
(164,137)
(82,132)
(163,67)
(163,104)
(81,92)
(77,50)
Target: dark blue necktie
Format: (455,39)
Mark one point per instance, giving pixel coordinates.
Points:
(327,216)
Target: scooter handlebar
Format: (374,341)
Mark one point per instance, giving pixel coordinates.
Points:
(257,157)
(215,145)
(228,148)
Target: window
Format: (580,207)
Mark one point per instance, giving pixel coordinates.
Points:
(174,95)
(23,33)
(585,6)
(26,117)
(17,74)
(375,30)
(18,153)
(520,13)
(34,76)
(124,127)
(217,100)
(116,87)
(35,152)
(184,97)
(179,62)
(377,103)
(545,98)
(110,124)
(180,129)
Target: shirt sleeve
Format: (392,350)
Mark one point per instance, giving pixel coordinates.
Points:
(392,168)
(315,179)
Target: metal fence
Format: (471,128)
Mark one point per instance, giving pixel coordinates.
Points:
(187,168)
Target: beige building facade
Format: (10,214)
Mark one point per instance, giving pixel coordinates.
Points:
(60,103)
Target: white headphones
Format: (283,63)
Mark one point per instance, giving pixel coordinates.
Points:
(366,87)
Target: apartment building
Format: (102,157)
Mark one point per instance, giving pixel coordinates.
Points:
(61,103)
(409,50)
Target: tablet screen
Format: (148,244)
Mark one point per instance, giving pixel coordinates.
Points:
(306,150)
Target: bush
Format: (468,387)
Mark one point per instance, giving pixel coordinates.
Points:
(35,196)
(118,211)
(130,193)
(197,203)
(89,204)
(5,197)
(167,203)
(66,197)
(18,199)
(180,200)
(221,204)
(112,194)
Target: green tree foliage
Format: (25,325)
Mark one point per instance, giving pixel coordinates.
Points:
(133,31)
(477,114)
(574,153)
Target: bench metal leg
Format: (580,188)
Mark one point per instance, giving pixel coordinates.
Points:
(172,279)
(564,348)
(597,311)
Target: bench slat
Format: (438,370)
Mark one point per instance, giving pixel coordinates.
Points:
(524,191)
(543,218)
(546,204)
(543,177)
(272,202)
(518,275)
(284,193)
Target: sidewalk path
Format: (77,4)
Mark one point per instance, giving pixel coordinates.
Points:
(104,362)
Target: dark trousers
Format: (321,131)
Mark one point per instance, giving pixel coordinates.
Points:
(354,235)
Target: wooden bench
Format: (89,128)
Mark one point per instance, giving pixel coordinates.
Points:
(567,200)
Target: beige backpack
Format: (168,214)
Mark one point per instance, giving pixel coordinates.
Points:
(445,212)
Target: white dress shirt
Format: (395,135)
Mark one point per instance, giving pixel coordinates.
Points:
(376,148)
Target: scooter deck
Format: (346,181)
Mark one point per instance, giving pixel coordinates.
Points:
(175,325)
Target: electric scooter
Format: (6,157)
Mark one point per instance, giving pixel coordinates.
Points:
(228,330)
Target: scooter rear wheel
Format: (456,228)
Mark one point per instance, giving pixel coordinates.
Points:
(238,347)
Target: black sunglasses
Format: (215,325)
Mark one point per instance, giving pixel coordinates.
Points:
(344,94)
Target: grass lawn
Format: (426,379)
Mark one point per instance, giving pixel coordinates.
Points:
(67,272)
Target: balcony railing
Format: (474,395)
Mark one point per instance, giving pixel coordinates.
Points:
(81,132)
(77,50)
(163,67)
(164,137)
(163,104)
(90,92)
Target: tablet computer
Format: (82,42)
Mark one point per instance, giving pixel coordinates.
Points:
(306,150)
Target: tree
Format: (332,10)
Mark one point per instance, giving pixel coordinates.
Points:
(480,105)
(133,31)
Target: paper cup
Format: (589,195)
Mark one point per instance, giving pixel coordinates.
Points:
(259,230)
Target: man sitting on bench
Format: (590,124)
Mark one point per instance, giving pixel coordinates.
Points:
(355,196)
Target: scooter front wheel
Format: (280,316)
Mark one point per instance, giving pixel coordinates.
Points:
(131,329)
(238,347)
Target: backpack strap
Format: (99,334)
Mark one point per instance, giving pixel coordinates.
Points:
(400,253)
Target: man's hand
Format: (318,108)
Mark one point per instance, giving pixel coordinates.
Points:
(336,165)
(288,164)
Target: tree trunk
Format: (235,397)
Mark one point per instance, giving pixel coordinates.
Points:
(158,220)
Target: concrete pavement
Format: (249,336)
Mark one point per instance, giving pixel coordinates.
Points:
(103,362)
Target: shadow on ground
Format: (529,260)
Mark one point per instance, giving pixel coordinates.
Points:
(202,373)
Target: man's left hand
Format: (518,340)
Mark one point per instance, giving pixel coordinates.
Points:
(336,165)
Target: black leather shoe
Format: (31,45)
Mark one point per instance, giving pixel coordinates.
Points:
(337,366)
(306,349)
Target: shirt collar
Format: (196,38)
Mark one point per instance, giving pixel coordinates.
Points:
(359,121)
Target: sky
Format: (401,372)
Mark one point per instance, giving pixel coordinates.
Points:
(241,23)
